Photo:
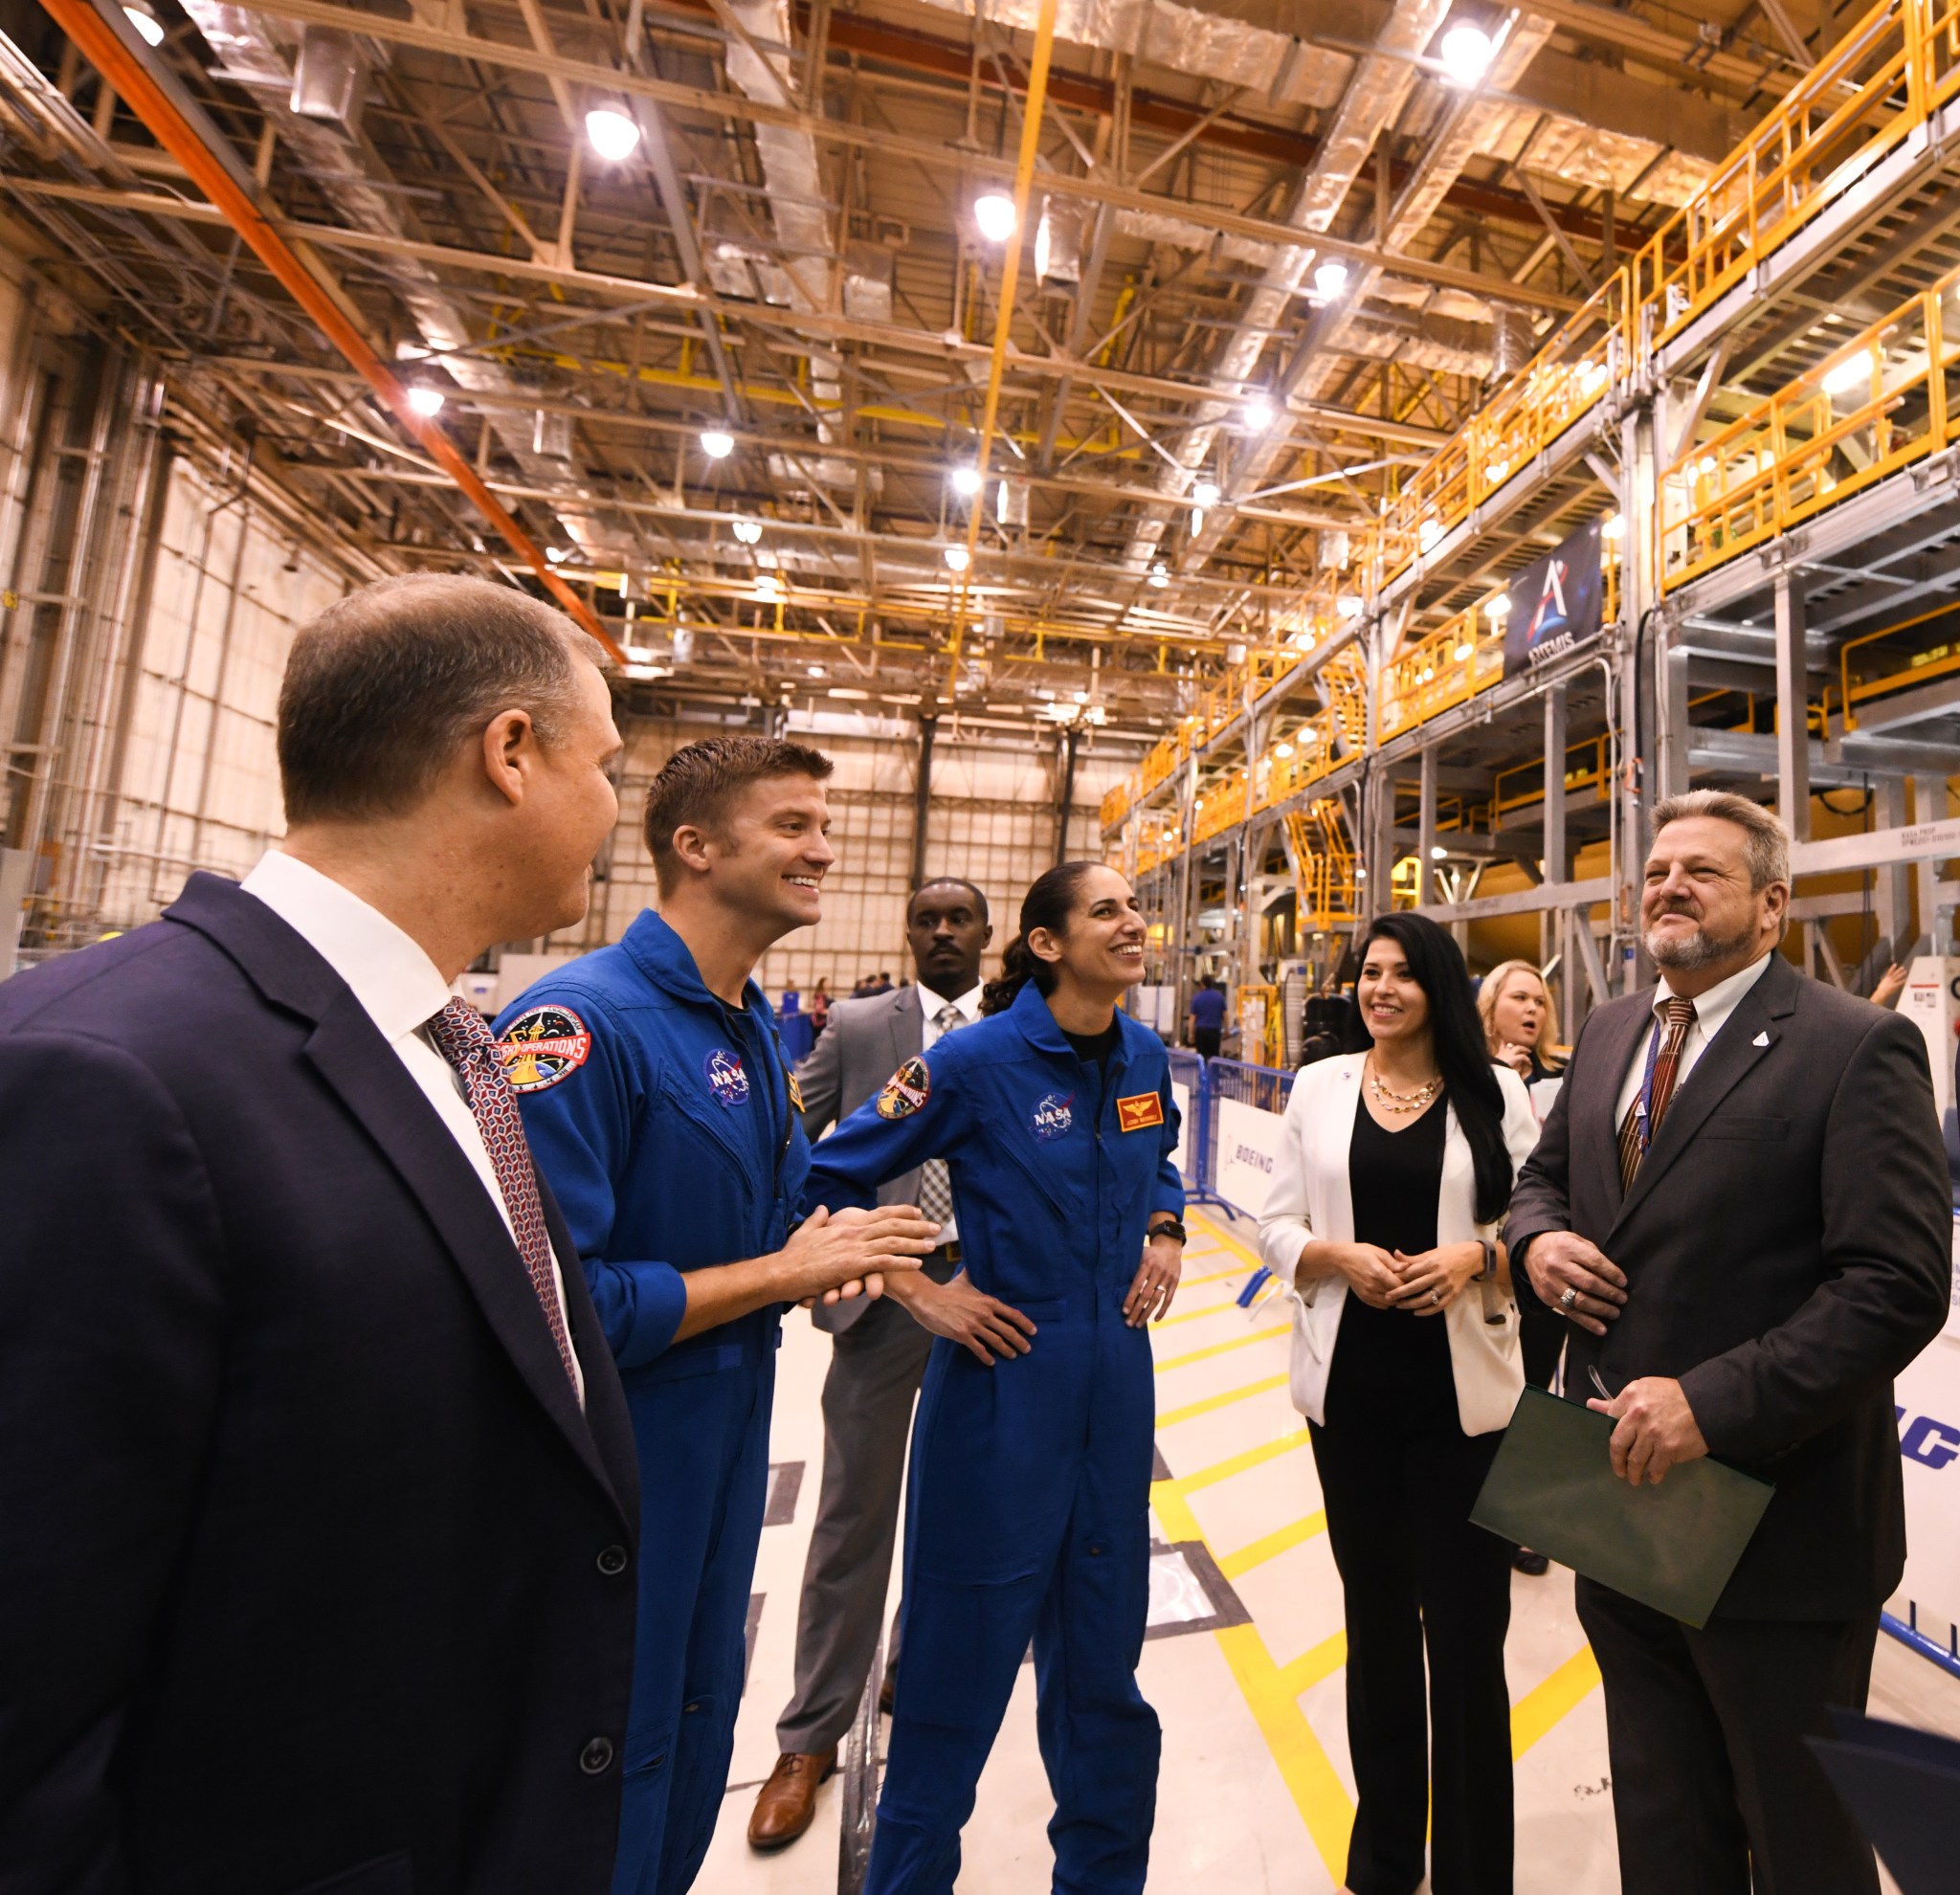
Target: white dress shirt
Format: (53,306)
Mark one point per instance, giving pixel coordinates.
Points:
(1711,1010)
(400,988)
(929,1005)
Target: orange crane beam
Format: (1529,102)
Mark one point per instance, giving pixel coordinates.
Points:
(130,78)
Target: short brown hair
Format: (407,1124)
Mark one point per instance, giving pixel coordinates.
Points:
(1766,843)
(697,782)
(384,686)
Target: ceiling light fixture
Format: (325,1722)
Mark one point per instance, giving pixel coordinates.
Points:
(1259,413)
(555,554)
(1438,854)
(1612,526)
(995,212)
(967,482)
(1159,577)
(1329,279)
(1464,651)
(611,131)
(1347,606)
(1205,494)
(1466,54)
(958,558)
(1283,749)
(1852,374)
(748,531)
(425,400)
(717,443)
(149,29)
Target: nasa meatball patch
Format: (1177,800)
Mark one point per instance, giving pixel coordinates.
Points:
(726,1078)
(1053,1116)
(543,1045)
(907,1091)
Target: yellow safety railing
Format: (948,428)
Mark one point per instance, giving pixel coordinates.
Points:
(1796,453)
(1892,669)
(1882,81)
(1884,399)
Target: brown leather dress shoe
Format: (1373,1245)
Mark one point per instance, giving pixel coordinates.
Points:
(787,1802)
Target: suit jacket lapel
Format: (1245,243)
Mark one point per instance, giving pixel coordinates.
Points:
(376,1089)
(362,1071)
(1748,1034)
(907,1025)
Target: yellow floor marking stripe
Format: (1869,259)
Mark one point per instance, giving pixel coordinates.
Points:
(1238,1463)
(1317,1792)
(1217,1235)
(1193,1315)
(1193,1409)
(1311,1666)
(1544,1704)
(1210,1349)
(1272,1545)
(1217,1277)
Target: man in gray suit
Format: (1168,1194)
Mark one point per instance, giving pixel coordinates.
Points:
(877,1355)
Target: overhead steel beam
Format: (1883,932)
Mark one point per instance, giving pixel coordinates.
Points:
(879,141)
(127,71)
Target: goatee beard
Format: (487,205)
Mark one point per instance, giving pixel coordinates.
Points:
(1699,951)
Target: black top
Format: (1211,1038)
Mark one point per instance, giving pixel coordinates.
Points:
(1093,1049)
(1395,1179)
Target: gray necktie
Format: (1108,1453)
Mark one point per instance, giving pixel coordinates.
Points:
(935,1189)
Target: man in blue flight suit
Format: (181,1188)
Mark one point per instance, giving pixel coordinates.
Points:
(660,1108)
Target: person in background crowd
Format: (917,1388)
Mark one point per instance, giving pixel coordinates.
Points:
(1393,1173)
(1740,1205)
(1206,1018)
(1029,1490)
(1888,987)
(1516,1012)
(655,1090)
(883,984)
(878,1356)
(316,1479)
(819,1007)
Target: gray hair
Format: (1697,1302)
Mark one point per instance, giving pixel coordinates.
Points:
(1766,843)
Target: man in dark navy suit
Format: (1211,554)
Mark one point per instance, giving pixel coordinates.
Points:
(316,1488)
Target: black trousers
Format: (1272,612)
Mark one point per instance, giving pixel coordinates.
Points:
(1205,1041)
(1399,1476)
(1711,1780)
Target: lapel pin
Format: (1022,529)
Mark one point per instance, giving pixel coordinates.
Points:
(1761,1039)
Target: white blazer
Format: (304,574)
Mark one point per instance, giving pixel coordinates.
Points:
(1309,1198)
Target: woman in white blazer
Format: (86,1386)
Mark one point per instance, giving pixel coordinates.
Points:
(1393,1174)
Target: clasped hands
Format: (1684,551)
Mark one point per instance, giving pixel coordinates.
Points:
(1656,1427)
(838,1254)
(1424,1285)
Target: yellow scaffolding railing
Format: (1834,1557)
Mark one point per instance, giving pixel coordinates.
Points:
(1797,452)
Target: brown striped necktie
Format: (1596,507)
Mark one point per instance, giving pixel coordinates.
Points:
(1681,1015)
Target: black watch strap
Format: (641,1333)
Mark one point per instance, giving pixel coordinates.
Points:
(1171,1227)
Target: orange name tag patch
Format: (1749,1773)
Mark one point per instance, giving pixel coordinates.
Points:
(1137,1114)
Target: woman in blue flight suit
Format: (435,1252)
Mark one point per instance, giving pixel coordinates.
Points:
(1028,1511)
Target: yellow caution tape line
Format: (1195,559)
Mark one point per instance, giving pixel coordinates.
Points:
(1192,1409)
(1272,1545)
(1543,1706)
(1224,1348)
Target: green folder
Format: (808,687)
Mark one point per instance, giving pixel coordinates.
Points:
(1673,1546)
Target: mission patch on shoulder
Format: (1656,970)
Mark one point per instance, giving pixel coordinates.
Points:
(906,1091)
(544,1044)
(1146,1108)
(796,1091)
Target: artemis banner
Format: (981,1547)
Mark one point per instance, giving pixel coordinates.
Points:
(1555,604)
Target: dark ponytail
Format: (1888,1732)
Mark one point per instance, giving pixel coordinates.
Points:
(1048,904)
(1463,1053)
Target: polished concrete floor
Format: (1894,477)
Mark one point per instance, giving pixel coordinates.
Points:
(1245,1661)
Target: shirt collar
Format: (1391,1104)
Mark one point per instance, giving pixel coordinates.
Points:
(1714,1006)
(393,979)
(929,1002)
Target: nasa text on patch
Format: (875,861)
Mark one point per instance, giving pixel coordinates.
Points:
(543,1045)
(1134,1114)
(726,1081)
(1052,1117)
(906,1091)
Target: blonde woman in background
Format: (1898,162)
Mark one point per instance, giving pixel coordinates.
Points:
(1516,1012)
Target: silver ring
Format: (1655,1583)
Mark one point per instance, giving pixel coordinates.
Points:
(1570,1297)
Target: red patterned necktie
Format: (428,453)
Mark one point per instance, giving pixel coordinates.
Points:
(1681,1015)
(462,1038)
